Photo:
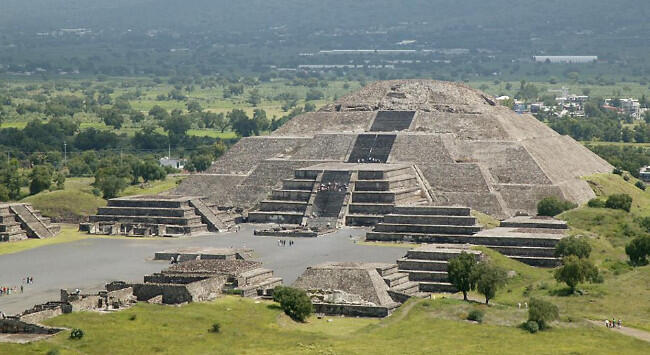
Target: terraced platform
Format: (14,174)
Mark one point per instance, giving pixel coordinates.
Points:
(19,221)
(163,216)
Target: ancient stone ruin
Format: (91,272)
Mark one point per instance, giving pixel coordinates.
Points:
(397,143)
(20,221)
(157,215)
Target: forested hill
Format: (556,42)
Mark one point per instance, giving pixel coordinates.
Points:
(535,17)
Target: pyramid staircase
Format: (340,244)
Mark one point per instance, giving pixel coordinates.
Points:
(398,282)
(20,221)
(258,282)
(390,121)
(288,204)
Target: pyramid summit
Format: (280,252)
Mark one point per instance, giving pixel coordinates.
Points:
(401,142)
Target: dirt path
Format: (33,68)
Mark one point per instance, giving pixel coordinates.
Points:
(637,333)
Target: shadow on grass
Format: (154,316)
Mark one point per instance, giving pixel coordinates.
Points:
(274,307)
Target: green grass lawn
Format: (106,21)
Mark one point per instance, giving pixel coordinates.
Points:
(250,327)
(69,233)
(154,187)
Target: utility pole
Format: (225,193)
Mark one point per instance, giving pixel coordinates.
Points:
(65,153)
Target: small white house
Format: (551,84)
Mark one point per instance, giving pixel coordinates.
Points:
(644,174)
(172,163)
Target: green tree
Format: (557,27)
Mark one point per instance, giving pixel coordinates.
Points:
(40,179)
(261,121)
(489,278)
(159,113)
(575,270)
(294,302)
(619,202)
(110,185)
(638,250)
(314,94)
(578,246)
(200,162)
(176,127)
(460,272)
(11,178)
(241,124)
(194,106)
(254,97)
(552,206)
(542,312)
(112,117)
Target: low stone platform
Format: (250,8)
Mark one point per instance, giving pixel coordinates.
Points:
(356,289)
(187,254)
(154,215)
(534,222)
(532,246)
(19,221)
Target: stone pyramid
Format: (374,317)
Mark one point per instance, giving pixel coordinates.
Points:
(465,149)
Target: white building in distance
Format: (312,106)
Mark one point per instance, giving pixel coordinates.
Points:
(566,59)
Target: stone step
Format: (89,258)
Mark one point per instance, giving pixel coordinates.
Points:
(13,236)
(180,221)
(298,184)
(208,217)
(408,288)
(306,174)
(423,275)
(426,228)
(393,183)
(35,227)
(291,195)
(286,217)
(384,174)
(537,261)
(386,269)
(438,254)
(262,288)
(383,196)
(430,219)
(279,205)
(395,279)
(362,220)
(436,287)
(371,208)
(253,277)
(524,251)
(460,239)
(432,210)
(139,211)
(144,203)
(422,265)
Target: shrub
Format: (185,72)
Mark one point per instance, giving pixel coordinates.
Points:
(76,334)
(542,312)
(294,302)
(577,246)
(596,203)
(53,352)
(553,206)
(531,326)
(619,202)
(476,315)
(133,317)
(645,223)
(575,270)
(216,327)
(638,250)
(640,185)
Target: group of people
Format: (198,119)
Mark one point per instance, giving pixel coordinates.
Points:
(333,187)
(8,290)
(369,160)
(613,323)
(284,243)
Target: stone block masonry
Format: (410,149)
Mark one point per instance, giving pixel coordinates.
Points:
(19,221)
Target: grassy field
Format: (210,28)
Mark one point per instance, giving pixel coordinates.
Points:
(77,199)
(250,327)
(69,233)
(622,89)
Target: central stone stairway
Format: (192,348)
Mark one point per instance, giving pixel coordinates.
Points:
(390,121)
(372,148)
(376,192)
(288,204)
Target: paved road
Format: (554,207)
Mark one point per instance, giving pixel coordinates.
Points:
(91,263)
